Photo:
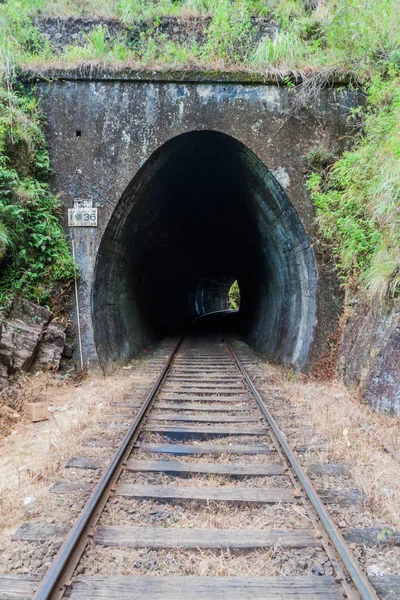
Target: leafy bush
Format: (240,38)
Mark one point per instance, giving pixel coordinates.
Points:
(37,263)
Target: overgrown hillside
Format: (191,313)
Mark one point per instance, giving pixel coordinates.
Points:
(36,262)
(358,197)
(309,43)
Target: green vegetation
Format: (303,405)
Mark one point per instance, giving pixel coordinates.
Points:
(337,35)
(36,262)
(234,296)
(357,197)
(131,10)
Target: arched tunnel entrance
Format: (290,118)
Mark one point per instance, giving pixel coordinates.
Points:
(202,212)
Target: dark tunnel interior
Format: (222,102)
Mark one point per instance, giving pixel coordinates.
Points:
(201,212)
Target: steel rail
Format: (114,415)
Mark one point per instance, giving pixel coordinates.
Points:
(57,570)
(358,577)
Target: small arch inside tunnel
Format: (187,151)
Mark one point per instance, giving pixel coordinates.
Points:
(234,296)
(202,212)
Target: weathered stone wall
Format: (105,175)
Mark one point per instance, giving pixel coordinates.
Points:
(369,355)
(62,32)
(108,124)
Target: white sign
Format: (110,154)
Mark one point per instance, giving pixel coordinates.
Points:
(82,217)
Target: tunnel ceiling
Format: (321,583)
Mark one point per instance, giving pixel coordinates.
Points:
(200,213)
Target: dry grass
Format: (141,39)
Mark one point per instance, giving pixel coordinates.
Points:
(249,440)
(206,480)
(212,66)
(355,435)
(13,395)
(216,515)
(223,458)
(271,562)
(34,455)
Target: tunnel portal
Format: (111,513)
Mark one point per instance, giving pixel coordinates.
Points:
(202,212)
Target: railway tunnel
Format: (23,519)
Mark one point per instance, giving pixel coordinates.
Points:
(201,212)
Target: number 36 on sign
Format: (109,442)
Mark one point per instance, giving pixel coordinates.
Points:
(82,217)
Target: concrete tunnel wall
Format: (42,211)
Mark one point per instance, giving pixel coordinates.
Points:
(201,212)
(126,121)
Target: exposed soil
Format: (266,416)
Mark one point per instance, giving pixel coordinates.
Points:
(33,455)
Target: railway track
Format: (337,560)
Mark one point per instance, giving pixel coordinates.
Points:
(204,437)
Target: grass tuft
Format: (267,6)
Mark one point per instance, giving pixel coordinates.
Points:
(358,200)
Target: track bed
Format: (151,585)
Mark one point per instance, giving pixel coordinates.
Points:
(202,499)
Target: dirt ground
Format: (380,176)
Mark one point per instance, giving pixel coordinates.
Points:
(366,443)
(33,455)
(326,415)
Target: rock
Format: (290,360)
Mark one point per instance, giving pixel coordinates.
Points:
(30,337)
(52,347)
(8,414)
(369,355)
(318,570)
(61,32)
(21,335)
(68,351)
(3,367)
(375,571)
(30,313)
